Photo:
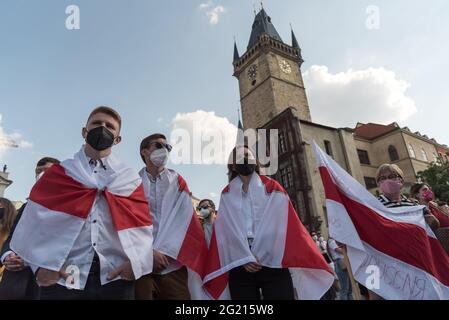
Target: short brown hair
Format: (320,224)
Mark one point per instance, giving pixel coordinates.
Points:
(46,160)
(146,142)
(109,111)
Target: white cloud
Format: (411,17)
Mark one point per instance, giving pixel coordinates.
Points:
(8,141)
(213,12)
(210,137)
(345,98)
(205,5)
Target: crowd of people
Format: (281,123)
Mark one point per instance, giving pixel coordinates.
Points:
(93,228)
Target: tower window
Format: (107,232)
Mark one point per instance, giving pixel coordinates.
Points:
(363,157)
(424,155)
(411,151)
(282,142)
(370,182)
(328,147)
(393,153)
(286,177)
(253,83)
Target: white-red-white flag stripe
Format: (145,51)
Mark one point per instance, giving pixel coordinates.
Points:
(280,240)
(392,251)
(61,201)
(179,234)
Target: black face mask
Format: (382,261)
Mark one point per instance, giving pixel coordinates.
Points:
(2,213)
(245,169)
(100,138)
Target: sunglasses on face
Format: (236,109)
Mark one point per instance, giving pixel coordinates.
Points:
(390,177)
(160,145)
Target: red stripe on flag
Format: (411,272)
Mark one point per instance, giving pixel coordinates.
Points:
(216,286)
(403,241)
(194,247)
(183,185)
(271,185)
(131,211)
(226,189)
(444,220)
(300,249)
(57,191)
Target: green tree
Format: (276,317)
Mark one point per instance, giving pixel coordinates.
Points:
(437,177)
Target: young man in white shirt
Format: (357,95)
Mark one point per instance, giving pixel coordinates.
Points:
(78,252)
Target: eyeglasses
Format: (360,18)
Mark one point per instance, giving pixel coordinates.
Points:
(160,145)
(393,176)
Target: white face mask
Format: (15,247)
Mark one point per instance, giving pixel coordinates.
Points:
(204,213)
(159,157)
(315,238)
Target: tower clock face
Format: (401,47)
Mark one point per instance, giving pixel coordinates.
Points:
(285,67)
(252,72)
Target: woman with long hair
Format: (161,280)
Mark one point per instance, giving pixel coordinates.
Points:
(7,215)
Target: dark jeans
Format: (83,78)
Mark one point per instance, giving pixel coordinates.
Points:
(273,284)
(116,290)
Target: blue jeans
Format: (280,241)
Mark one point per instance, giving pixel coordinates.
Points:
(346,289)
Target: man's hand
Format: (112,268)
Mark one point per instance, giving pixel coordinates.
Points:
(14,263)
(252,267)
(125,271)
(47,278)
(160,261)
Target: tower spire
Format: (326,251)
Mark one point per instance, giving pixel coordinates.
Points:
(295,43)
(236,51)
(262,25)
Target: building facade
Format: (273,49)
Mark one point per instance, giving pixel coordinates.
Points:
(273,96)
(4,183)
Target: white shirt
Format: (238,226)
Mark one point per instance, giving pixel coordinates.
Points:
(98,235)
(208,228)
(249,217)
(332,247)
(158,188)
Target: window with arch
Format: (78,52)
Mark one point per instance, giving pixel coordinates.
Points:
(394,156)
(424,155)
(411,151)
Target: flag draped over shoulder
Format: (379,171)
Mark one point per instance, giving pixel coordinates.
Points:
(179,234)
(441,216)
(60,203)
(392,251)
(280,240)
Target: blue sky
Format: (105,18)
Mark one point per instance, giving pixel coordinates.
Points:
(153,59)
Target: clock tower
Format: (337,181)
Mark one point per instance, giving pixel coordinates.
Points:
(269,75)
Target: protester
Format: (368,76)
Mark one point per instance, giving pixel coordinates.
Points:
(179,243)
(19,281)
(256,242)
(336,252)
(7,216)
(207,214)
(390,180)
(88,220)
(424,195)
(391,250)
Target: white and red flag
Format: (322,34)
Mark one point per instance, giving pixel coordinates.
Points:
(280,240)
(179,233)
(392,251)
(60,203)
